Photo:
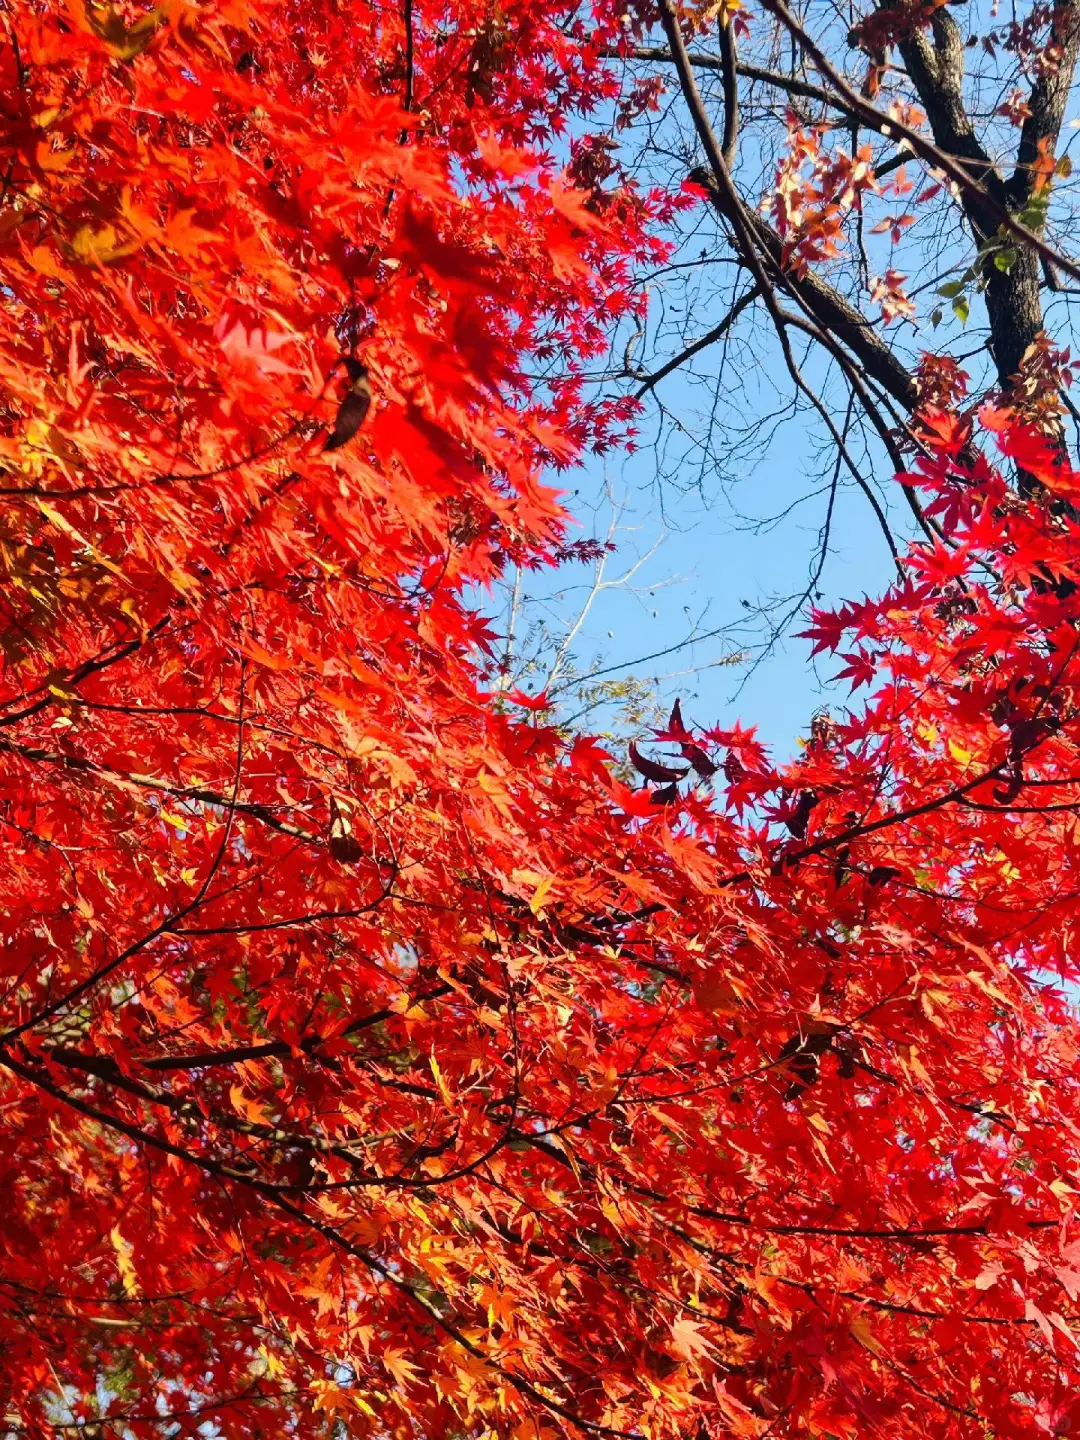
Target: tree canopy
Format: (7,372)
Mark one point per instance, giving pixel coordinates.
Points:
(376,1057)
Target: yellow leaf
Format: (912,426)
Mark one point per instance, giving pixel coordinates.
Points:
(440,1081)
(101,246)
(125,42)
(139,221)
(184,237)
(540,894)
(124,1249)
(402,1370)
(42,260)
(991,990)
(960,754)
(256,652)
(500,1305)
(51,160)
(721,10)
(331,1399)
(274,1367)
(496,792)
(58,520)
(248,1108)
(860,1328)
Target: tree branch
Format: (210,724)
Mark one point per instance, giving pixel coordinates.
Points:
(1047,100)
(804,89)
(740,219)
(824,304)
(729,145)
(929,152)
(702,343)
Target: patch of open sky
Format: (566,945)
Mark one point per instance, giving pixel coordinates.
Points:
(719,517)
(707,568)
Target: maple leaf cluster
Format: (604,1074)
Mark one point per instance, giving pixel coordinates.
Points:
(818,187)
(373,1059)
(814,189)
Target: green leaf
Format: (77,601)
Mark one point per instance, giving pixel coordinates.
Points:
(951,289)
(1005,259)
(961,309)
(935,318)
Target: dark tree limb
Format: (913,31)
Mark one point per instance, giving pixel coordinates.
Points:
(961,171)
(803,89)
(710,337)
(742,221)
(1047,100)
(937,72)
(729,144)
(824,304)
(1013,295)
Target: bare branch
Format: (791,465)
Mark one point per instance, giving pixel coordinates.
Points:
(804,89)
(729,145)
(740,220)
(703,342)
(825,305)
(1047,100)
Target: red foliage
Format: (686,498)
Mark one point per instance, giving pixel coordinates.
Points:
(369,1055)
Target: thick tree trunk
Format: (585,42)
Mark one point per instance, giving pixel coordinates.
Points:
(1014,307)
(935,64)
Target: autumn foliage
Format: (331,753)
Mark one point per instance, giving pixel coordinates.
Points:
(372,1056)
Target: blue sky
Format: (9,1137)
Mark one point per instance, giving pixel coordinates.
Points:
(709,542)
(700,555)
(712,543)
